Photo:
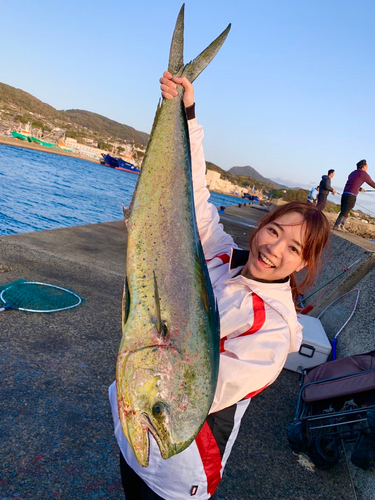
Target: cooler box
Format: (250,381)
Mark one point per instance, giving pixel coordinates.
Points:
(315,347)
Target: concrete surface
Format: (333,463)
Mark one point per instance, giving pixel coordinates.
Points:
(56,435)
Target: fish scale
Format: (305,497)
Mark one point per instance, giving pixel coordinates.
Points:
(168,360)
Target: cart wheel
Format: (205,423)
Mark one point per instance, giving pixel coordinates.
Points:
(295,434)
(371,420)
(363,455)
(324,451)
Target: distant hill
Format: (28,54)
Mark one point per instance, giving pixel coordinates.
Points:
(13,99)
(242,179)
(17,98)
(251,172)
(104,125)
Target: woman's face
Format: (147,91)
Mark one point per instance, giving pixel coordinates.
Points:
(277,249)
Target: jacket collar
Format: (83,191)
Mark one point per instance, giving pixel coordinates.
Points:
(238,258)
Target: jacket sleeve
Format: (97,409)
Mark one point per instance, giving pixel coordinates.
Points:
(326,184)
(250,363)
(368,180)
(215,240)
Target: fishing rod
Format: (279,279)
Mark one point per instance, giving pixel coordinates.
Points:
(334,340)
(358,205)
(328,282)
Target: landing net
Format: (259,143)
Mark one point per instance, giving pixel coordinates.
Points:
(37,297)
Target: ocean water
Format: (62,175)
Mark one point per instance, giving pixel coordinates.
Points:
(41,191)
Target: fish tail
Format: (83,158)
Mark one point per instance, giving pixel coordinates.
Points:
(176,55)
(194,68)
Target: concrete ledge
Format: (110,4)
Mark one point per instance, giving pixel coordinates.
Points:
(56,427)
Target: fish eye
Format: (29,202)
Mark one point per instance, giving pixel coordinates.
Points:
(158,409)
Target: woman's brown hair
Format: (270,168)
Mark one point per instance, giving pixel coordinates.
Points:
(316,237)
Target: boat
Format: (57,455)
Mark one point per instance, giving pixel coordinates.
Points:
(119,164)
(30,138)
(109,161)
(17,135)
(126,166)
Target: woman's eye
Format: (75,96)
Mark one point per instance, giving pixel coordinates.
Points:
(272,231)
(295,250)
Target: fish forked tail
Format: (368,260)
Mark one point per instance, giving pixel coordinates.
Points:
(176,55)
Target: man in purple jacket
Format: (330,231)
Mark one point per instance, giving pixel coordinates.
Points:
(351,190)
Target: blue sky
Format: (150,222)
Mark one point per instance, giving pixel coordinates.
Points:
(290,93)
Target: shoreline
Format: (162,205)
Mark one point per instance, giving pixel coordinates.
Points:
(11,141)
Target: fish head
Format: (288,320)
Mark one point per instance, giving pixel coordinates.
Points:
(159,393)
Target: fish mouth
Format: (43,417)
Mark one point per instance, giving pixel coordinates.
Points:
(167,447)
(163,447)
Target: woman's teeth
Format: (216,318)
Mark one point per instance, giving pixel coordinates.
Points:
(265,260)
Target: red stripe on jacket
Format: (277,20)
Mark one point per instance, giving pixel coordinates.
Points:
(210,456)
(259,320)
(225,258)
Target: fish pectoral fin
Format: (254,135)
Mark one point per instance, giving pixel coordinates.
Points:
(125,302)
(157,305)
(193,69)
(160,325)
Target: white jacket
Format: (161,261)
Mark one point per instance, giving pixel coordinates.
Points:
(259,328)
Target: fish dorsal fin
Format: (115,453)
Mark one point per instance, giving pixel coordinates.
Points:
(194,68)
(176,54)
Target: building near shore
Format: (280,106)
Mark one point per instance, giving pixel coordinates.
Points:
(84,149)
(216,183)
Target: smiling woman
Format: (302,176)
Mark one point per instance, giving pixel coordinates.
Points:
(258,329)
(288,239)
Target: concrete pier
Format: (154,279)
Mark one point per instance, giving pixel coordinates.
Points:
(56,432)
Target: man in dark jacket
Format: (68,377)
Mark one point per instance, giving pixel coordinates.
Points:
(351,190)
(324,189)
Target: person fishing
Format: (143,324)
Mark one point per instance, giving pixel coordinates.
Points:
(256,293)
(351,190)
(324,189)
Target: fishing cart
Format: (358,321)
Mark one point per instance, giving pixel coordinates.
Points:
(336,404)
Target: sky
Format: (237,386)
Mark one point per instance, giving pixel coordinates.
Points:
(291,92)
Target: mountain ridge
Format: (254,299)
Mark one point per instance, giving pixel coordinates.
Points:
(80,123)
(13,99)
(248,171)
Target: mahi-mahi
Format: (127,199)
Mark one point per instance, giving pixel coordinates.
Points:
(168,360)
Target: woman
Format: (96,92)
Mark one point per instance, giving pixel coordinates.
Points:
(258,326)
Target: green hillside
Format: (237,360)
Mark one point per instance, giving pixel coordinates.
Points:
(12,98)
(104,126)
(20,104)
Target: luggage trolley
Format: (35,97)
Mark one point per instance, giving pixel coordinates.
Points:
(336,402)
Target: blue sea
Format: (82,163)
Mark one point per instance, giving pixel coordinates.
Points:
(41,191)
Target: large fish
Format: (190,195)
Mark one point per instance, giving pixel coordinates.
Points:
(168,360)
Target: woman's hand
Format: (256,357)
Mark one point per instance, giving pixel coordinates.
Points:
(168,88)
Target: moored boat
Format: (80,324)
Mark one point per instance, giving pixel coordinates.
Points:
(119,164)
(109,161)
(126,166)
